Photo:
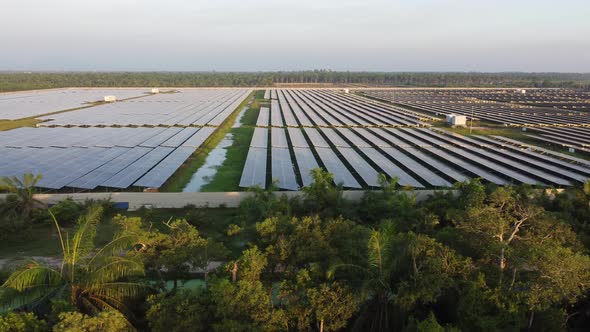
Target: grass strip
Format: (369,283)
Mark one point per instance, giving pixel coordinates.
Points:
(183,175)
(227,177)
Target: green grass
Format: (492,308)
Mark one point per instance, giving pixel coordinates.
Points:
(227,177)
(183,175)
(13,124)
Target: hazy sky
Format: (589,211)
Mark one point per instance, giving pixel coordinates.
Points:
(255,35)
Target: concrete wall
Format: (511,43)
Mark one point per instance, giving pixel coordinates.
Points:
(179,200)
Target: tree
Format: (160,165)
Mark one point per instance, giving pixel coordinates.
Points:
(90,279)
(22,322)
(182,311)
(323,196)
(23,191)
(173,255)
(245,304)
(530,259)
(333,305)
(378,270)
(104,321)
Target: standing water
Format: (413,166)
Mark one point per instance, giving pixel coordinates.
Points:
(214,160)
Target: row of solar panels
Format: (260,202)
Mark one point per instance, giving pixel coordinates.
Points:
(418,157)
(104,137)
(92,163)
(496,112)
(320,108)
(511,117)
(576,138)
(24,104)
(198,107)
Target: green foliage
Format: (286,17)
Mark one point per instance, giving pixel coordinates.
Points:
(67,211)
(89,278)
(264,203)
(233,229)
(323,196)
(333,305)
(105,321)
(23,190)
(482,258)
(183,311)
(172,255)
(22,322)
(26,81)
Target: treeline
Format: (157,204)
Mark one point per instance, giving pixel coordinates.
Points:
(13,81)
(482,258)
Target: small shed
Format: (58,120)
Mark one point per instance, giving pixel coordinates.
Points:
(456,120)
(110,99)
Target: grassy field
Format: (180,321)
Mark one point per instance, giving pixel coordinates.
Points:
(184,174)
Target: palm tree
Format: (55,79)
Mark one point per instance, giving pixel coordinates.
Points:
(377,280)
(23,192)
(89,279)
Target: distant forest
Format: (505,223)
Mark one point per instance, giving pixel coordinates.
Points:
(13,81)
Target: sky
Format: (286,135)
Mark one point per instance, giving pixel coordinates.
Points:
(273,35)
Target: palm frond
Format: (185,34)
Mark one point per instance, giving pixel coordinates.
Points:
(119,290)
(332,270)
(10,299)
(83,240)
(33,275)
(114,268)
(112,248)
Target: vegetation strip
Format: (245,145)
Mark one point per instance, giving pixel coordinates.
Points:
(183,175)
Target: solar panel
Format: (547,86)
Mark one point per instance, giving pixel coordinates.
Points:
(297,138)
(533,152)
(161,137)
(109,169)
(275,114)
(337,168)
(508,162)
(463,164)
(259,138)
(305,163)
(178,139)
(315,138)
(282,169)
(131,173)
(335,138)
(158,175)
(254,172)
(278,138)
(391,169)
(263,117)
(362,168)
(545,151)
(199,137)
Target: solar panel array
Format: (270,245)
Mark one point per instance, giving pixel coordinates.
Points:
(418,157)
(532,108)
(329,108)
(186,107)
(87,158)
(24,104)
(577,138)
